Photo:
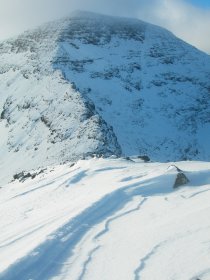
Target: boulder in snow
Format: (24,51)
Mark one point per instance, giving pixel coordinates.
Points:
(181,180)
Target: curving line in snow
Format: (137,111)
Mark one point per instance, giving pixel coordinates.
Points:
(144,260)
(47,259)
(87,262)
(103,232)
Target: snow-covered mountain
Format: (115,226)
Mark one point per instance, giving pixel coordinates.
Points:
(107,219)
(93,84)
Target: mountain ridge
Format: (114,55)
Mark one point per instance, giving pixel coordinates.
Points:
(92,84)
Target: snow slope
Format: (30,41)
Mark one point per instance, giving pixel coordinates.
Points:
(107,219)
(149,85)
(92,84)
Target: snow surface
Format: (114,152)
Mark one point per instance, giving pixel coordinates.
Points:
(107,219)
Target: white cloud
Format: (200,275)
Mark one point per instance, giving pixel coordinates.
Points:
(186,21)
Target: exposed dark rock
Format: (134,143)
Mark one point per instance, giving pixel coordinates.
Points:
(45,121)
(22,176)
(128,159)
(181,180)
(144,158)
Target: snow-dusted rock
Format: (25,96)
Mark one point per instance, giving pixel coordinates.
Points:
(181,180)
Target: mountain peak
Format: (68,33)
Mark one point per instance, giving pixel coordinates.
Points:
(88,14)
(78,87)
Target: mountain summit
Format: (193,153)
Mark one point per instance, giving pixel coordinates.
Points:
(92,84)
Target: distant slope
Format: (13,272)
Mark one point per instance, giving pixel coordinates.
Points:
(149,85)
(92,84)
(107,219)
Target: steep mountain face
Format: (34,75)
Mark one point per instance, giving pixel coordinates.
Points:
(96,84)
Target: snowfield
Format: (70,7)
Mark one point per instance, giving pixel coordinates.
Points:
(107,219)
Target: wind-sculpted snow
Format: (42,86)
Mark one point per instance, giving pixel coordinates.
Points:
(91,84)
(106,219)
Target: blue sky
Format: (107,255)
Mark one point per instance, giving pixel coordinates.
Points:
(200,3)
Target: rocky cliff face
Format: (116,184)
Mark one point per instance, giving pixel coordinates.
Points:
(92,84)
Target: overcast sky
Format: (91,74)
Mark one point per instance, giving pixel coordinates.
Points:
(188,19)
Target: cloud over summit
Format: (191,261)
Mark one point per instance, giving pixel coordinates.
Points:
(185,20)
